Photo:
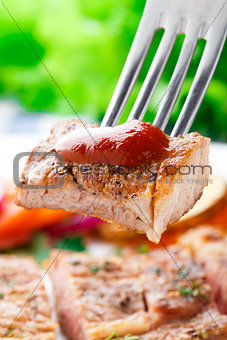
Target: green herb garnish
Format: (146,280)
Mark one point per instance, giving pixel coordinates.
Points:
(185,291)
(94,269)
(1,296)
(114,335)
(131,337)
(194,290)
(126,337)
(143,248)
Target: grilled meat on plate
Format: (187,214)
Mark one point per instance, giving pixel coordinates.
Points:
(24,308)
(145,295)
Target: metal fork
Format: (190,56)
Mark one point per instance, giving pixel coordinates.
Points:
(197,19)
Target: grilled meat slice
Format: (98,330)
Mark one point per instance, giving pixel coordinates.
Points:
(143,199)
(176,288)
(22,315)
(97,297)
(209,246)
(131,294)
(209,325)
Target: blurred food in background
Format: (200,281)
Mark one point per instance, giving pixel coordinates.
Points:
(37,230)
(18,225)
(84,45)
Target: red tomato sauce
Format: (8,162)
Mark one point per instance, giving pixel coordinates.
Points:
(129,144)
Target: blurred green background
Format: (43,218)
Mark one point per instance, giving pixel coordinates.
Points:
(84,45)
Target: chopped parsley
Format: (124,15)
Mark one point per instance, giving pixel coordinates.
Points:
(143,248)
(193,290)
(1,296)
(126,337)
(94,269)
(185,291)
(131,337)
(114,335)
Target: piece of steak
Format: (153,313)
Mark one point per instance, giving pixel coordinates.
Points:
(22,315)
(131,294)
(143,199)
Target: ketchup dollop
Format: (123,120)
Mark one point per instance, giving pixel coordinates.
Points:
(128,144)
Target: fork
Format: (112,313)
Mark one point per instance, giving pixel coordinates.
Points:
(197,19)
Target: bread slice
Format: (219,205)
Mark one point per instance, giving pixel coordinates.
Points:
(144,200)
(25,312)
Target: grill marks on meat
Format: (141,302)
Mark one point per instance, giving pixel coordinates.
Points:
(144,200)
(97,297)
(133,294)
(18,278)
(171,296)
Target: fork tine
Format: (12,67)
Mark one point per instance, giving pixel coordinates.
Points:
(132,67)
(154,73)
(201,82)
(177,78)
